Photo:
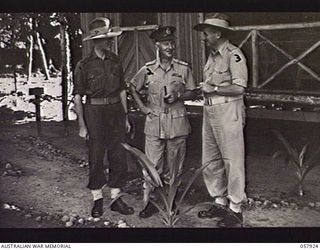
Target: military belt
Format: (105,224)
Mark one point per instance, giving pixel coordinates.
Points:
(211,101)
(103,100)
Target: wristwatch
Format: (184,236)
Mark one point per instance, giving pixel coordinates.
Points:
(215,90)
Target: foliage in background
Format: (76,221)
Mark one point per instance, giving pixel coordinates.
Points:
(15,29)
(297,160)
(169,202)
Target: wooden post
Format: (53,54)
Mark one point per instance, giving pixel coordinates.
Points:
(244,40)
(43,56)
(37,92)
(203,47)
(255,59)
(136,42)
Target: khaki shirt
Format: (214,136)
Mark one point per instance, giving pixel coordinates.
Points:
(226,66)
(170,120)
(99,78)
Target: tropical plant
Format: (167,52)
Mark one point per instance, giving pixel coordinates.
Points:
(297,160)
(169,202)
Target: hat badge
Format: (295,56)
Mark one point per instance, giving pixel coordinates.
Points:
(168,31)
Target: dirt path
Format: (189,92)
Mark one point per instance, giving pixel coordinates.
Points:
(53,178)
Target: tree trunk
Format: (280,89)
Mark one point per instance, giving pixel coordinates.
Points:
(43,56)
(31,40)
(65,67)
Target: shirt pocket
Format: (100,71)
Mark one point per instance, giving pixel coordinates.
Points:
(94,78)
(153,84)
(176,83)
(221,78)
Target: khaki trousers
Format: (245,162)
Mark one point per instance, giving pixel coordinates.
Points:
(223,148)
(167,154)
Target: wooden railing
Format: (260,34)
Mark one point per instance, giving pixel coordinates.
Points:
(255,35)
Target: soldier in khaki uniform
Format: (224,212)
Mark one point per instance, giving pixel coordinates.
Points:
(167,82)
(225,79)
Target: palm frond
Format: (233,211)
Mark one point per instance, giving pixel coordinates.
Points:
(303,154)
(298,173)
(145,163)
(116,198)
(164,199)
(149,180)
(173,191)
(290,150)
(165,221)
(175,220)
(192,179)
(277,154)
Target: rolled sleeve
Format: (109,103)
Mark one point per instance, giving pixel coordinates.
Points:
(79,80)
(123,84)
(189,80)
(238,68)
(138,80)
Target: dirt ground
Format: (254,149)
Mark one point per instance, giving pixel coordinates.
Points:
(48,177)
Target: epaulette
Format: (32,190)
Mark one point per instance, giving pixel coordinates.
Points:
(151,63)
(84,60)
(181,62)
(231,47)
(112,55)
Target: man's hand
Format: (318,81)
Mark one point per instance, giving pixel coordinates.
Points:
(171,98)
(83,132)
(207,89)
(148,111)
(128,125)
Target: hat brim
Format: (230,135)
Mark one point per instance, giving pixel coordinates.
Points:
(169,38)
(107,35)
(202,26)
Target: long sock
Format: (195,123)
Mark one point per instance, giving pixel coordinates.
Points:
(97,194)
(235,207)
(221,201)
(114,192)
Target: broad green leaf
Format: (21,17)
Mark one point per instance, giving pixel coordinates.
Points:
(145,163)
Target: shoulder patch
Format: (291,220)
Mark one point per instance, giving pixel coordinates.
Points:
(181,62)
(237,57)
(151,63)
